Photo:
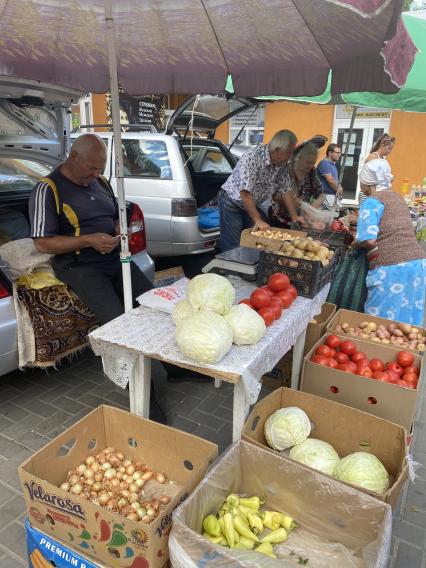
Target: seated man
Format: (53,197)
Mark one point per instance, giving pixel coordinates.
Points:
(74,215)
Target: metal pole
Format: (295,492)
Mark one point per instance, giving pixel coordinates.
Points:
(344,156)
(116,128)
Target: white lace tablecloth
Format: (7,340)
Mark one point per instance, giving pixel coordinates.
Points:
(152,333)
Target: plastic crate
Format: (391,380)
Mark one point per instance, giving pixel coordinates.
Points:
(308,276)
(333,239)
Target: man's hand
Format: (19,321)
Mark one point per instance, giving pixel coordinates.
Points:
(103,242)
(339,191)
(299,219)
(261,225)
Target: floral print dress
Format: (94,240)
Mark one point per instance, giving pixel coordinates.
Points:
(395,292)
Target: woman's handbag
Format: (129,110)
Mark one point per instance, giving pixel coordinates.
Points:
(348,289)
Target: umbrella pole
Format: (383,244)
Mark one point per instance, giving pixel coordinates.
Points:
(345,154)
(125,256)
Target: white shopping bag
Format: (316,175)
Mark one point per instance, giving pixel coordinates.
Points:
(164,299)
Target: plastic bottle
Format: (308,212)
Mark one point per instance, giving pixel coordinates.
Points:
(404,187)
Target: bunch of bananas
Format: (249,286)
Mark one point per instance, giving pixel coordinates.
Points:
(240,523)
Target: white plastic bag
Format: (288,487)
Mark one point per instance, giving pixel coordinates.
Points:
(312,214)
(164,299)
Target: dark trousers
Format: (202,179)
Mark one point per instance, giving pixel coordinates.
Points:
(99,285)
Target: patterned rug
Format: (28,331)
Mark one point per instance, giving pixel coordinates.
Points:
(59,320)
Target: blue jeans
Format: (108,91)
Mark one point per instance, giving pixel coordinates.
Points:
(233,220)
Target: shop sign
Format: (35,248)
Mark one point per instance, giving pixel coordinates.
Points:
(149,109)
(345,111)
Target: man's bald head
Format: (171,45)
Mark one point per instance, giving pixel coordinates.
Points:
(87,159)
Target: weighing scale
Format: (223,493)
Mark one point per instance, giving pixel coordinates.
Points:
(240,261)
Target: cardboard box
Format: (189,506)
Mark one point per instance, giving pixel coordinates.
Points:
(385,400)
(328,512)
(316,330)
(355,318)
(105,536)
(252,241)
(348,430)
(45,552)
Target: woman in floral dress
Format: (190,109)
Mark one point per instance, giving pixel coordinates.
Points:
(396,280)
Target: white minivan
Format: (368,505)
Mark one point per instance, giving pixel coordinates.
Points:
(175,176)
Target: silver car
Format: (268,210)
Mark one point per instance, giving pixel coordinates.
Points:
(34,139)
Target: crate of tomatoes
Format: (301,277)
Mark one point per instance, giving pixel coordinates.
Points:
(375,378)
(270,300)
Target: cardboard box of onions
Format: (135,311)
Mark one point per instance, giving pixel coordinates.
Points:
(347,430)
(108,485)
(378,330)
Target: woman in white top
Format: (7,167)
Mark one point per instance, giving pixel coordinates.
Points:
(376,167)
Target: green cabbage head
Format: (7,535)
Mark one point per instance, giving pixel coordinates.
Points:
(211,292)
(181,310)
(287,427)
(204,337)
(364,470)
(247,325)
(316,454)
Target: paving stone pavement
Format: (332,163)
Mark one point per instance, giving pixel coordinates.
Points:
(36,406)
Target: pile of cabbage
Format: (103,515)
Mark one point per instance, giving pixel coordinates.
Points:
(290,427)
(207,322)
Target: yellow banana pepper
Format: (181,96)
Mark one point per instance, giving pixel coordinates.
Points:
(271,519)
(243,529)
(279,535)
(228,521)
(211,526)
(287,522)
(255,523)
(266,548)
(216,539)
(251,502)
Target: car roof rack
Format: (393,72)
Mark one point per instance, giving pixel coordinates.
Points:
(124,127)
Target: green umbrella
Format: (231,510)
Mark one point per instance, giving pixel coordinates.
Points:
(411,97)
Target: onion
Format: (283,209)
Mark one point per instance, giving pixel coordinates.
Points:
(99,476)
(127,462)
(120,455)
(109,473)
(150,512)
(132,517)
(139,483)
(65,486)
(90,482)
(114,460)
(90,460)
(115,483)
(122,502)
(160,477)
(96,466)
(137,475)
(141,513)
(133,497)
(136,505)
(147,475)
(133,488)
(164,499)
(97,486)
(130,469)
(106,465)
(76,489)
(109,450)
(125,493)
(147,519)
(73,479)
(81,468)
(119,475)
(89,473)
(103,498)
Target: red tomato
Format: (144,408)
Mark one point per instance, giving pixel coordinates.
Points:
(292,290)
(363,363)
(358,356)
(267,314)
(320,359)
(347,367)
(365,372)
(260,298)
(331,362)
(393,375)
(342,357)
(393,366)
(347,347)
(332,341)
(383,377)
(268,291)
(411,379)
(278,281)
(405,359)
(323,350)
(286,298)
(247,302)
(333,353)
(412,369)
(276,308)
(402,383)
(352,366)
(377,365)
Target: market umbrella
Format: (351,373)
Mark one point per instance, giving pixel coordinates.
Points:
(280,47)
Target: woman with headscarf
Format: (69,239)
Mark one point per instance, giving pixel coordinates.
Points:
(396,280)
(376,170)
